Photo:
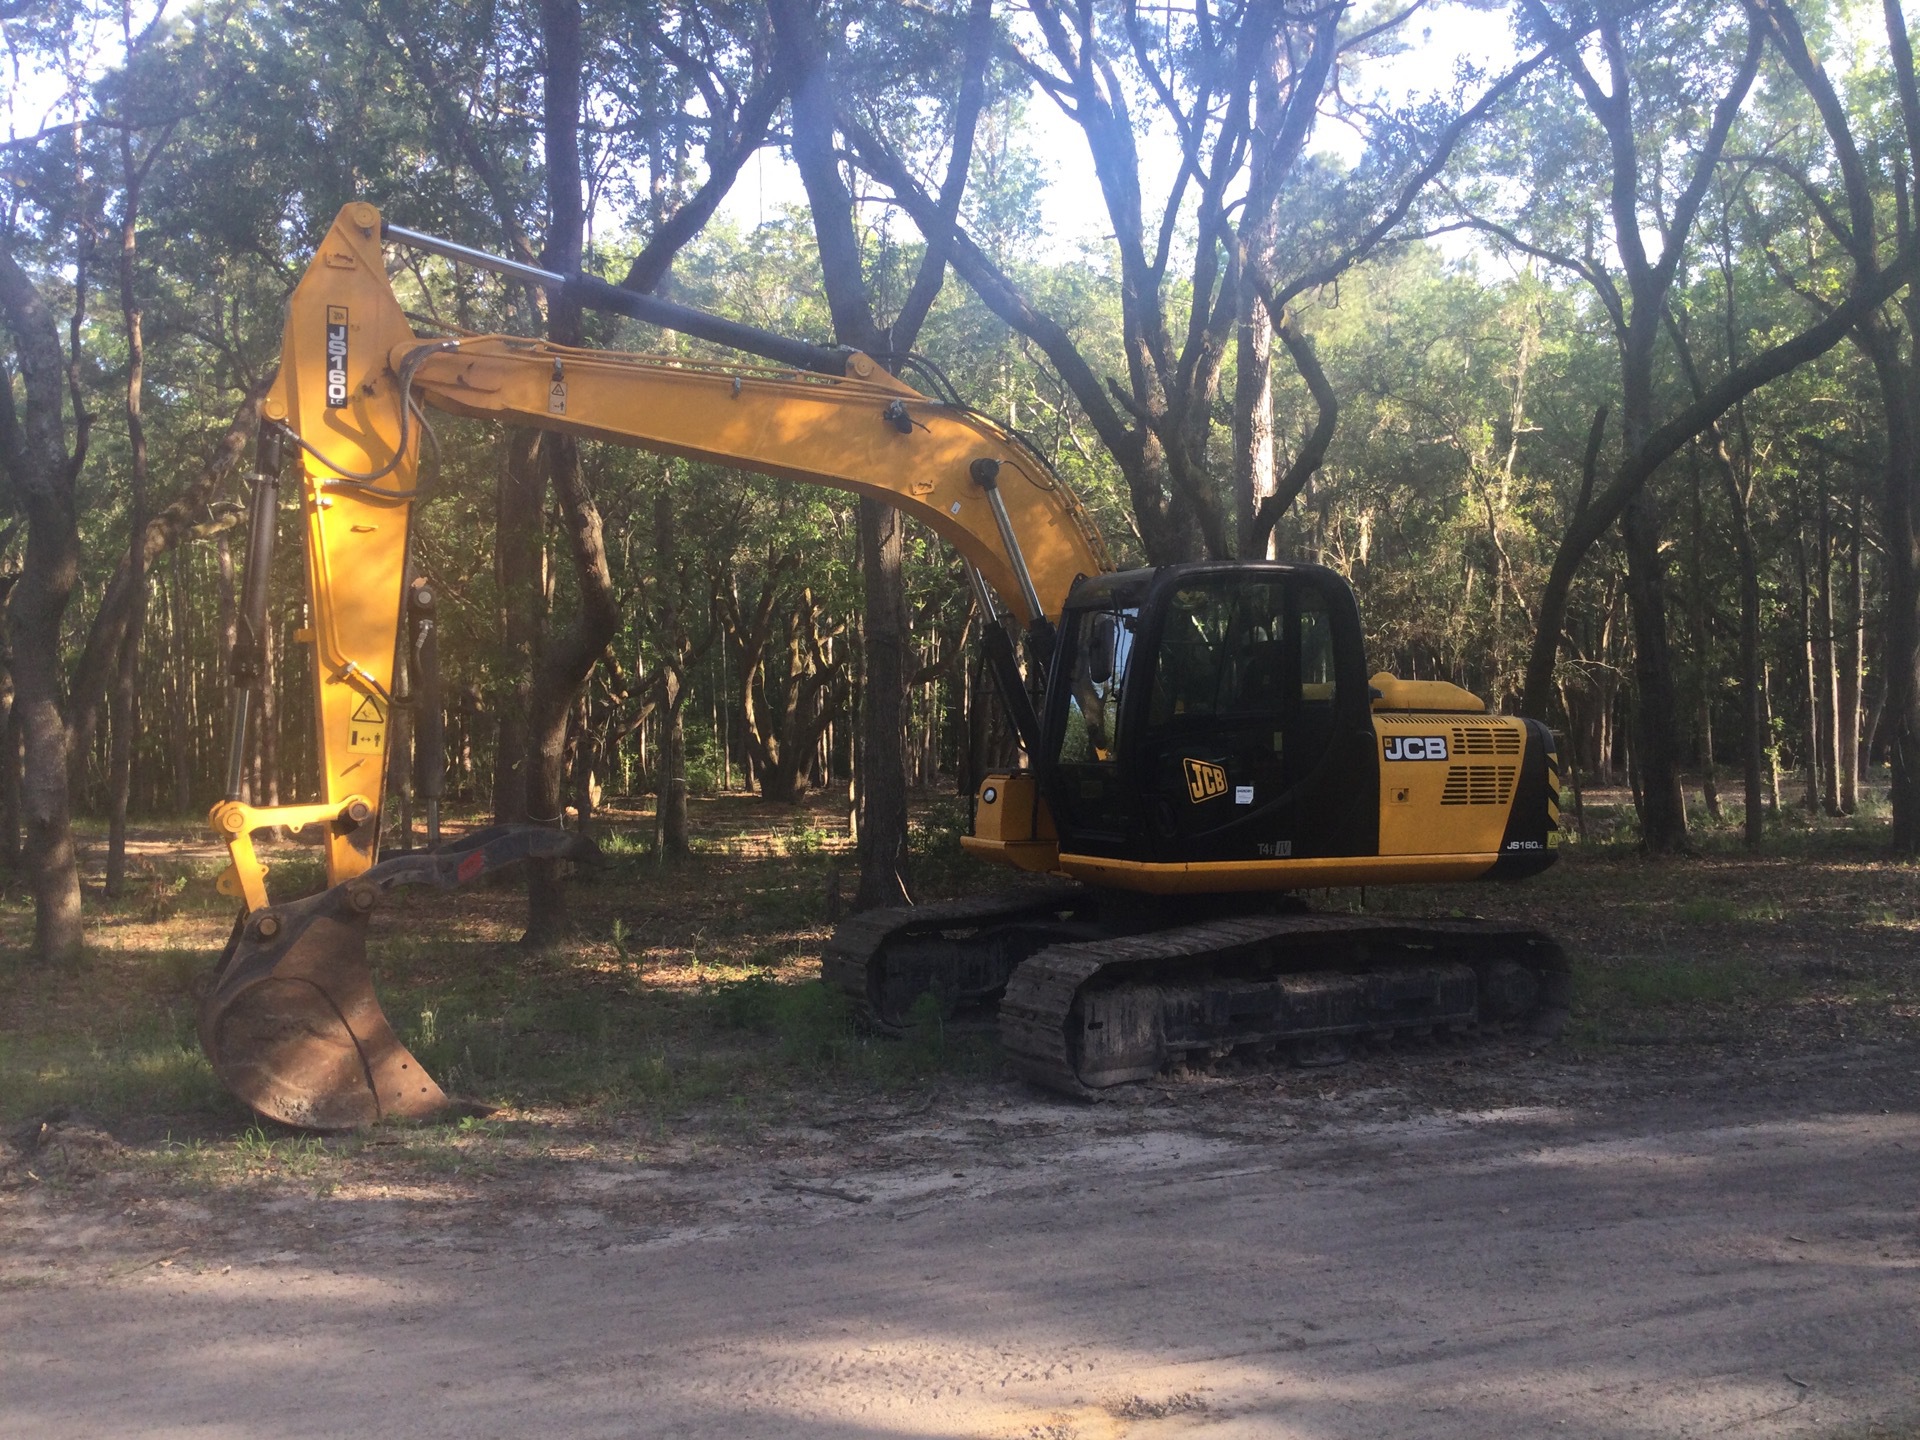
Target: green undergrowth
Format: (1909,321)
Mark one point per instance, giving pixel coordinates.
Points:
(152,1065)
(687,986)
(1651,982)
(620,1046)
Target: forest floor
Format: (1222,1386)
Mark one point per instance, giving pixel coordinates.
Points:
(705,1204)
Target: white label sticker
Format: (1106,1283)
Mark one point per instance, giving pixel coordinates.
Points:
(1243,794)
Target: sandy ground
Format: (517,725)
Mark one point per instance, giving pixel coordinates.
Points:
(1563,1253)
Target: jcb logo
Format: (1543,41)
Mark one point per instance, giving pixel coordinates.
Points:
(1416,747)
(1204,781)
(336,356)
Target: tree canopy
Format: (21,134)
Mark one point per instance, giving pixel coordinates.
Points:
(1594,373)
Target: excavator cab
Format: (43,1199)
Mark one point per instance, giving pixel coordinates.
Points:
(1210,712)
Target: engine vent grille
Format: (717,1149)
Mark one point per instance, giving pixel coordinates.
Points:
(1478,785)
(1485,740)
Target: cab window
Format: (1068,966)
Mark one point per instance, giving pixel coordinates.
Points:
(1226,652)
(1316,649)
(1096,685)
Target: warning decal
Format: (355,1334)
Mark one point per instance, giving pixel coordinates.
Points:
(367,728)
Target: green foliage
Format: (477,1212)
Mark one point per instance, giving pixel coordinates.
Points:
(1657,983)
(1467,375)
(149,1068)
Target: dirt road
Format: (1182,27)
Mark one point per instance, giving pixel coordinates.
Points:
(1738,1253)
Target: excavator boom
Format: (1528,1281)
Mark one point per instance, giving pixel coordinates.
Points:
(290,1020)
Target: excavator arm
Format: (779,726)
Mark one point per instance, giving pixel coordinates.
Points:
(290,1021)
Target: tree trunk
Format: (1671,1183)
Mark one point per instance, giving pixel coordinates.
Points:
(122,718)
(1753,740)
(179,690)
(10,802)
(1703,727)
(883,775)
(1852,665)
(584,782)
(881,750)
(1663,812)
(565,662)
(1253,467)
(519,523)
(43,475)
(673,769)
(678,657)
(1702,649)
(127,677)
(9,747)
(1810,671)
(567,659)
(1900,637)
(125,721)
(1773,751)
(1829,679)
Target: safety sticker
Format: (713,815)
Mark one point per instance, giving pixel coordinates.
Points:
(367,728)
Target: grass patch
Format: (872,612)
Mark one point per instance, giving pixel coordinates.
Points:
(624,1046)
(1657,982)
(152,1068)
(1708,910)
(687,996)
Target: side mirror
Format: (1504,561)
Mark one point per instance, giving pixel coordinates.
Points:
(1100,641)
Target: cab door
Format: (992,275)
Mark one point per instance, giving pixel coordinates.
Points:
(1248,695)
(1097,804)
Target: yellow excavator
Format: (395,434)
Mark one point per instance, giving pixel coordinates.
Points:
(1203,741)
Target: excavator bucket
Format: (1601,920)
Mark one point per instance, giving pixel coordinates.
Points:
(290,1020)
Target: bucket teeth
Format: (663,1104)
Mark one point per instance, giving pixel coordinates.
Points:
(290,1021)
